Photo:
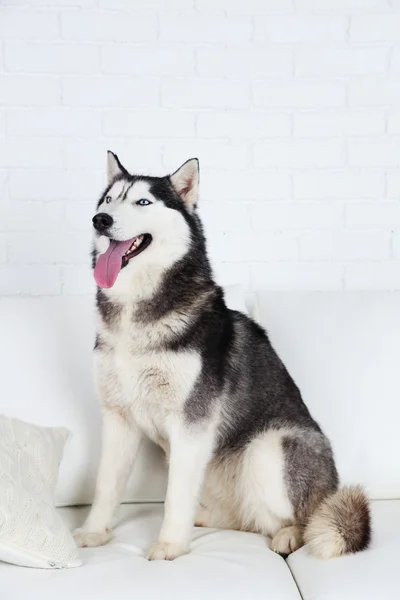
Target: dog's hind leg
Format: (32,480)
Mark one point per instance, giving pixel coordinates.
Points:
(203,517)
(288,539)
(215,516)
(287,473)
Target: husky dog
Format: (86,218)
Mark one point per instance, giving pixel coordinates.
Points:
(203,382)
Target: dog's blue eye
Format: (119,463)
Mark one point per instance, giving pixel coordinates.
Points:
(108,199)
(143,202)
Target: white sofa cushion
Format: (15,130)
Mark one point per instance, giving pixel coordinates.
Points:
(370,575)
(32,533)
(222,564)
(46,357)
(343,351)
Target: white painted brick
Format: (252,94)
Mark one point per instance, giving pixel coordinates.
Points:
(375,28)
(300,94)
(144,156)
(396,245)
(113,90)
(85,153)
(57,184)
(299,153)
(332,185)
(205,93)
(259,90)
(48,57)
(373,276)
(40,248)
(3,248)
(204,28)
(341,5)
(395,61)
(338,124)
(29,152)
(228,273)
(378,215)
(345,245)
(27,24)
(251,7)
(394,122)
(285,216)
(146,123)
(147,60)
(143,4)
(37,280)
(31,216)
(54,122)
(20,90)
(243,125)
(78,217)
(247,184)
(374,152)
(296,276)
(313,62)
(135,155)
(251,246)
(243,62)
(77,280)
(393,185)
(374,92)
(102,27)
(300,28)
(53,3)
(224,216)
(3,183)
(211,153)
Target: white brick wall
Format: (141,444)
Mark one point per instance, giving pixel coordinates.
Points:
(292,106)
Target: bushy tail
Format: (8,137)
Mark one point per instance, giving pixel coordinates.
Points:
(341,524)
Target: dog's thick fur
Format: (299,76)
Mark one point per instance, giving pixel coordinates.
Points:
(174,364)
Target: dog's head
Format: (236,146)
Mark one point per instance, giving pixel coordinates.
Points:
(142,220)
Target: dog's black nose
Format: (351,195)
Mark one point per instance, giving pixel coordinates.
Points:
(102,221)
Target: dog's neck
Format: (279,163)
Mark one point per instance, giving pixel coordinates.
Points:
(158,289)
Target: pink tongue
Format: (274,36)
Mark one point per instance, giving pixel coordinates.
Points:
(109,264)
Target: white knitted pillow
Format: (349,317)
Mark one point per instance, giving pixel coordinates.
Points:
(32,533)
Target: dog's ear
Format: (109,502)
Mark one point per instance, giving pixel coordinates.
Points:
(186,182)
(114,167)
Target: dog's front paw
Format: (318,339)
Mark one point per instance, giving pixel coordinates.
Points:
(89,539)
(166,551)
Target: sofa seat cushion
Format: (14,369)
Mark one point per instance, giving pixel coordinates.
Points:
(370,575)
(222,564)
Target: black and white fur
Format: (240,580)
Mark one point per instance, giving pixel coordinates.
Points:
(174,364)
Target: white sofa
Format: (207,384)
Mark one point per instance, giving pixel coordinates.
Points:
(343,350)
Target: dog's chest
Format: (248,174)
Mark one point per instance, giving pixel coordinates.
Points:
(154,384)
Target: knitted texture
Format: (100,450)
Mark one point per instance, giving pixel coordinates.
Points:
(32,533)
